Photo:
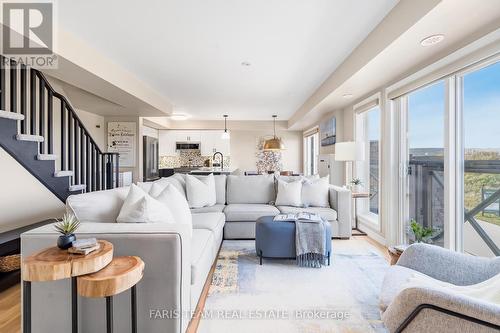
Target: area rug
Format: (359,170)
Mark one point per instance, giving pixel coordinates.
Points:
(279,296)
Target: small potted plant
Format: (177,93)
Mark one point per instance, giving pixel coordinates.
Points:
(66,227)
(356,184)
(420,232)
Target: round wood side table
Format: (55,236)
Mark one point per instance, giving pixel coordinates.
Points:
(53,264)
(121,274)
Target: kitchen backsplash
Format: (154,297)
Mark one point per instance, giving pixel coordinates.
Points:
(188,158)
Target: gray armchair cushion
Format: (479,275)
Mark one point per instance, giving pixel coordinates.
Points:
(250,189)
(326,213)
(445,265)
(394,281)
(249,212)
(217,208)
(430,320)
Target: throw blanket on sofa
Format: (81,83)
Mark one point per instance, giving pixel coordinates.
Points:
(310,242)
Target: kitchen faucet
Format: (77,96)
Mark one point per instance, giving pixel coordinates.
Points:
(221,159)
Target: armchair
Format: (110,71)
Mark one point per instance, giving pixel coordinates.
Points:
(424,309)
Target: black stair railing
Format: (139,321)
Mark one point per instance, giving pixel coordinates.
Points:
(76,149)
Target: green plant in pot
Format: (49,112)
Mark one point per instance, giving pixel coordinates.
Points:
(66,227)
(356,184)
(420,232)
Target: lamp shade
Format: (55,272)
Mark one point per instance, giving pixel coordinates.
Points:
(273,144)
(350,151)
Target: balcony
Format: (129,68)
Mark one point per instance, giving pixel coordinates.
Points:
(481,197)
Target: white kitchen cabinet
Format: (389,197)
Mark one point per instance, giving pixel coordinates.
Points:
(187,135)
(166,143)
(207,143)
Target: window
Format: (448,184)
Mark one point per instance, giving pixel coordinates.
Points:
(368,131)
(424,157)
(311,152)
(481,160)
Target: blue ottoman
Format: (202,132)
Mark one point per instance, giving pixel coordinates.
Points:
(277,239)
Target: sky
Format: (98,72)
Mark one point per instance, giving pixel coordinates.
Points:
(481,112)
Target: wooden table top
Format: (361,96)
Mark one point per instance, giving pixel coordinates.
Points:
(53,263)
(121,274)
(360,195)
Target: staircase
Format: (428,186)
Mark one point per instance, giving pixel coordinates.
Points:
(40,129)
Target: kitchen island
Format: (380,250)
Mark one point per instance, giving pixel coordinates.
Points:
(214,170)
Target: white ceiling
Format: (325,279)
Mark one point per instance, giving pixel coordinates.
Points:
(191,51)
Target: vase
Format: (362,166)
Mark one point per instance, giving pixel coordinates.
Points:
(64,242)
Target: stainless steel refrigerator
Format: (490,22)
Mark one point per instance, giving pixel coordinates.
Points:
(150,159)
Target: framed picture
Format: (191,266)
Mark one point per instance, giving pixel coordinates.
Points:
(122,140)
(328,132)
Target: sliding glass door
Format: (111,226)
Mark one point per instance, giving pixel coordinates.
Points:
(481,160)
(423,132)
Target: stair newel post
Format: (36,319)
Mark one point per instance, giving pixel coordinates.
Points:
(76,169)
(2,83)
(103,171)
(82,156)
(23,81)
(41,107)
(109,171)
(13,86)
(93,167)
(50,122)
(63,135)
(71,147)
(117,183)
(32,102)
(98,171)
(88,167)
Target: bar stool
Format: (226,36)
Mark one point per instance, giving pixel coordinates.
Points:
(121,274)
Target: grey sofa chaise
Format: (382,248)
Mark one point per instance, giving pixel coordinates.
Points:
(425,309)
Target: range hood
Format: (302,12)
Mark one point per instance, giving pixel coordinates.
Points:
(187,145)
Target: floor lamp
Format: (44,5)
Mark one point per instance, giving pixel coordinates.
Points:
(350,152)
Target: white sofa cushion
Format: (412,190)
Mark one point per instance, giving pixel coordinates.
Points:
(289,179)
(209,221)
(140,207)
(217,208)
(175,201)
(250,189)
(100,206)
(325,212)
(249,212)
(289,193)
(200,191)
(202,256)
(163,182)
(316,192)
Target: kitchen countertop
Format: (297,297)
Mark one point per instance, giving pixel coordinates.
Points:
(214,170)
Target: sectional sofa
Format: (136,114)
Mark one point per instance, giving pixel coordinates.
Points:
(177,264)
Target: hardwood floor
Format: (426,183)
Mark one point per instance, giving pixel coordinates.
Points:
(10,310)
(10,299)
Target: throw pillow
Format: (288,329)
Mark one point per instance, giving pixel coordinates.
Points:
(200,191)
(289,194)
(315,193)
(140,207)
(164,182)
(175,201)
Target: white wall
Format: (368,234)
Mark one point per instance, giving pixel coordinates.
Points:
(244,149)
(23,199)
(95,125)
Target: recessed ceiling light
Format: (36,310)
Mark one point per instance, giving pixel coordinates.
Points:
(432,40)
(347,95)
(245,64)
(179,116)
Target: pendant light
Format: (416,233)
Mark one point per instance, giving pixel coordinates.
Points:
(275,143)
(225,135)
